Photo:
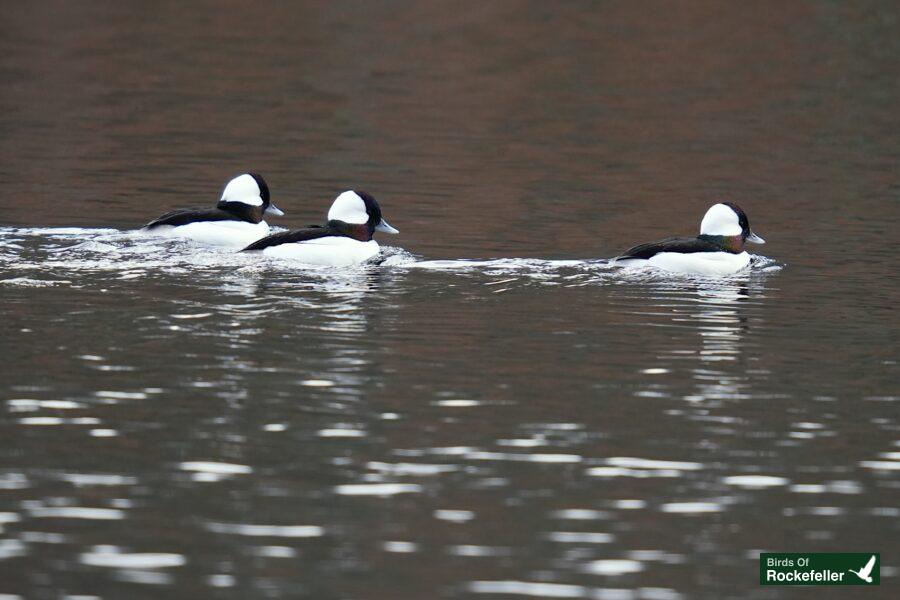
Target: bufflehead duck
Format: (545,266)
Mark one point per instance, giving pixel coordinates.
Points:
(718,250)
(345,239)
(237,219)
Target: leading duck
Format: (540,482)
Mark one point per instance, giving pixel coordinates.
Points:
(237,219)
(346,238)
(718,250)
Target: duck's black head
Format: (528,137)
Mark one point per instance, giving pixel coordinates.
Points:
(247,197)
(358,214)
(727,225)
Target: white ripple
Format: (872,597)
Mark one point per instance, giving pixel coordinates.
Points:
(452,450)
(808,488)
(377,489)
(538,458)
(114,395)
(77,512)
(27,404)
(400,547)
(457,403)
(471,550)
(143,576)
(341,433)
(9,517)
(691,508)
(44,421)
(629,504)
(288,531)
(64,231)
(621,566)
(656,556)
(12,548)
(528,588)
(580,514)
(832,487)
(101,433)
(274,551)
(629,462)
(637,473)
(221,580)
(43,537)
(454,516)
(29,282)
(580,537)
(317,383)
(216,468)
(755,481)
(648,593)
(401,469)
(13,481)
(523,442)
(880,465)
(113,558)
(82,479)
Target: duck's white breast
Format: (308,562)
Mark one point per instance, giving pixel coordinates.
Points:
(237,234)
(702,263)
(330,251)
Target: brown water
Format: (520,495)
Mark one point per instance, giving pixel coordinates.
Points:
(491,412)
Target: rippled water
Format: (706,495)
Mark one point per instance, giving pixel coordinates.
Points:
(492,410)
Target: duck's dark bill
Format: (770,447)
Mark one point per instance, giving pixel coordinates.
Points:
(274,210)
(755,239)
(384,227)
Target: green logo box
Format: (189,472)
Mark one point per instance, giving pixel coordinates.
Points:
(820,568)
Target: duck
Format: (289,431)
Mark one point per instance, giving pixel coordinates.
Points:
(718,250)
(345,239)
(237,219)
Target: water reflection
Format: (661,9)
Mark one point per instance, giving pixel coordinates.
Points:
(721,317)
(715,320)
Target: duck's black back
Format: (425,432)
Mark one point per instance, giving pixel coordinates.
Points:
(287,237)
(674,244)
(185,216)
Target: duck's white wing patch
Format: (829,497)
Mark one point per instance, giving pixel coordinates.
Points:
(330,251)
(349,208)
(243,189)
(720,220)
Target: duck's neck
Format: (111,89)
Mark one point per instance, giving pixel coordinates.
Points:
(357,231)
(728,243)
(244,212)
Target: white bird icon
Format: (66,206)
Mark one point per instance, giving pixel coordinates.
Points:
(864,573)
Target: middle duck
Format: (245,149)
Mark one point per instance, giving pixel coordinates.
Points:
(346,238)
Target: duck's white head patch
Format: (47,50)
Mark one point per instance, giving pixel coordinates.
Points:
(349,208)
(243,189)
(720,220)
